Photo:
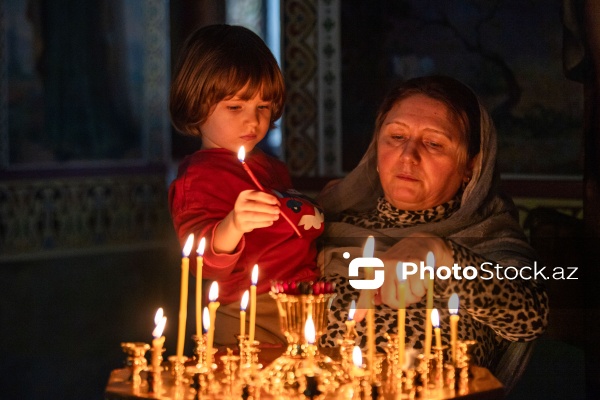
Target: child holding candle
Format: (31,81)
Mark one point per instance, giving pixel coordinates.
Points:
(228,90)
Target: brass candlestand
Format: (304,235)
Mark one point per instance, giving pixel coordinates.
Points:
(136,352)
(282,377)
(463,360)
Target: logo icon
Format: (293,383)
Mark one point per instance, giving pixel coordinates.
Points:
(366,262)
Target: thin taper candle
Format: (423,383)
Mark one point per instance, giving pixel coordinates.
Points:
(243,305)
(183,294)
(241,157)
(253,303)
(157,343)
(429,306)
(435,321)
(453,308)
(199,264)
(213,304)
(206,327)
(401,288)
(368,252)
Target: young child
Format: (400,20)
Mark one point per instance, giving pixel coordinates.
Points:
(228,90)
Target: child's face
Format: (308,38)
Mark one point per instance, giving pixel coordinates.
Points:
(235,122)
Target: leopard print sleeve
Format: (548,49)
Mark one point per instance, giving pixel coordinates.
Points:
(505,298)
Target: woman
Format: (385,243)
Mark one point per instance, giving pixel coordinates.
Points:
(428,183)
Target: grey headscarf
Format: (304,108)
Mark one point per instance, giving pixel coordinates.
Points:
(486,221)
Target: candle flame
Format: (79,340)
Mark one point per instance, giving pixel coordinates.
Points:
(160,320)
(430,260)
(187,249)
(435,318)
(357,356)
(399,273)
(205,319)
(158,316)
(244,302)
(242,154)
(369,248)
(255,274)
(201,246)
(213,294)
(453,304)
(309,330)
(352,310)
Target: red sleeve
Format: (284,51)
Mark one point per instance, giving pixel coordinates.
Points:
(199,198)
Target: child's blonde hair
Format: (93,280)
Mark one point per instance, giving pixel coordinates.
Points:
(216,62)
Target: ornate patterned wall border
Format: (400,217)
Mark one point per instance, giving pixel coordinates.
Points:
(311,64)
(69,216)
(330,118)
(300,68)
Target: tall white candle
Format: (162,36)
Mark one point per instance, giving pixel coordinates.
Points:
(368,252)
(183,294)
(401,288)
(213,304)
(253,302)
(430,262)
(199,264)
(159,340)
(243,305)
(453,308)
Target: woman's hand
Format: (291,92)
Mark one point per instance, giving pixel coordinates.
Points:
(253,209)
(412,249)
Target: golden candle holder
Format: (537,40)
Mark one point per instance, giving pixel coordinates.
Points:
(201,380)
(248,352)
(437,372)
(252,381)
(154,382)
(297,301)
(463,360)
(346,349)
(230,366)
(293,312)
(136,352)
(199,349)
(178,369)
(450,376)
(423,369)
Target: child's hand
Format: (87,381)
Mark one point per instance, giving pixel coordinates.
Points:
(254,209)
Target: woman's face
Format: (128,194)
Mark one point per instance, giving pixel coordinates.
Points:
(421,156)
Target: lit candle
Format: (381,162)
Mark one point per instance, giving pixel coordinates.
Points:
(157,343)
(401,288)
(350,322)
(205,320)
(243,305)
(199,264)
(428,279)
(435,321)
(253,302)
(213,304)
(309,335)
(453,308)
(206,327)
(183,294)
(242,157)
(368,252)
(357,370)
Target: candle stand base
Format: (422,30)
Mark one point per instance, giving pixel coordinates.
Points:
(178,369)
(136,352)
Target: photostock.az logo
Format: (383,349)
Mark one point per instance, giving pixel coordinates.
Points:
(366,262)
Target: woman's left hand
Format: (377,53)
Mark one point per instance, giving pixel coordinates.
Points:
(411,249)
